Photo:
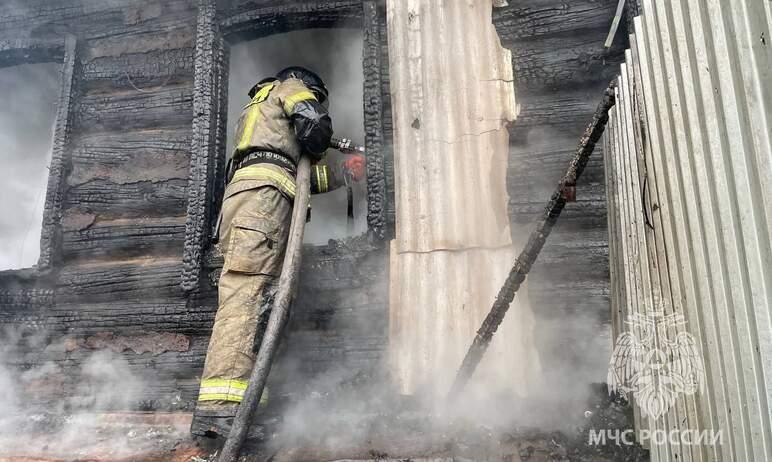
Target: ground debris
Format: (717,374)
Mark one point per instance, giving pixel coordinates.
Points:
(408,434)
(103,437)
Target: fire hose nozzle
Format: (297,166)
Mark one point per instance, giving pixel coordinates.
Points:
(347,146)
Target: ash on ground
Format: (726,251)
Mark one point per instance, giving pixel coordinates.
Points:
(325,429)
(323,426)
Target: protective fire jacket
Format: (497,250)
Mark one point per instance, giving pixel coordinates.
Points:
(284,117)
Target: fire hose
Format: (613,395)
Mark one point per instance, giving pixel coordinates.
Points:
(518,273)
(538,237)
(278,319)
(284,295)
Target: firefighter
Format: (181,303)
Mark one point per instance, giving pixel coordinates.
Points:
(287,117)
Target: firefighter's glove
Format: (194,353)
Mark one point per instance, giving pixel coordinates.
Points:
(354,165)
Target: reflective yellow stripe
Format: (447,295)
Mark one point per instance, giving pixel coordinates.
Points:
(249,126)
(262,95)
(236,396)
(253,116)
(222,390)
(325,179)
(234,383)
(318,179)
(220,397)
(262,173)
(292,100)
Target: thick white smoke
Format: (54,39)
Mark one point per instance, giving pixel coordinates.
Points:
(76,425)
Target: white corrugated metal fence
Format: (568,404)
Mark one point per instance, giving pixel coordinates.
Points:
(689,182)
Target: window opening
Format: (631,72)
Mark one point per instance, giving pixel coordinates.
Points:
(336,55)
(30,94)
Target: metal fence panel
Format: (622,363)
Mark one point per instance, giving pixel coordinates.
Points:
(689,177)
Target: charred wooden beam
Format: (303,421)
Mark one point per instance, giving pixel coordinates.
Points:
(564,62)
(131,156)
(538,237)
(129,317)
(93,20)
(118,239)
(567,108)
(140,70)
(251,20)
(210,69)
(538,18)
(52,212)
(112,200)
(169,106)
(139,279)
(372,62)
(30,51)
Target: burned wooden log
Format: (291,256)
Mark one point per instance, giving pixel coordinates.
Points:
(125,238)
(170,106)
(538,18)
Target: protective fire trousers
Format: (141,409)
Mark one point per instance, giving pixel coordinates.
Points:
(253,238)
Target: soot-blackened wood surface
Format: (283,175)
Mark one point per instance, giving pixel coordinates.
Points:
(115,282)
(126,159)
(561,71)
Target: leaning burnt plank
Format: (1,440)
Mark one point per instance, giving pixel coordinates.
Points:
(538,237)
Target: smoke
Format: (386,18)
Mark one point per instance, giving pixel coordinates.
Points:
(30,93)
(336,55)
(57,409)
(336,409)
(339,413)
(571,325)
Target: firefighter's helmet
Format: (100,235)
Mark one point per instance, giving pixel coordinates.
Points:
(253,91)
(309,78)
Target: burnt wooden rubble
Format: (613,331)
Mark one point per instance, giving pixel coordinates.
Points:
(136,177)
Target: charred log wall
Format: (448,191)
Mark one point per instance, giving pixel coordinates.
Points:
(129,163)
(116,256)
